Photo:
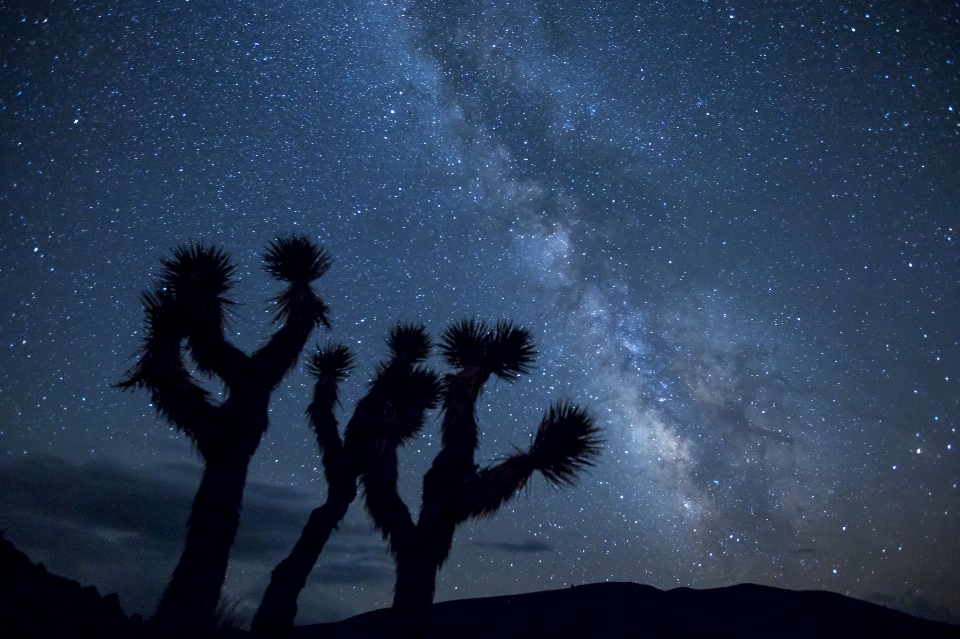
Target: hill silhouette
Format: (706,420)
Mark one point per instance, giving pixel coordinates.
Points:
(629,610)
(36,603)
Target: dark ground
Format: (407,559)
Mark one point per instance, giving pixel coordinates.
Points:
(37,604)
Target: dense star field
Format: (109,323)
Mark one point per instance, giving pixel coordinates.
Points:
(732,230)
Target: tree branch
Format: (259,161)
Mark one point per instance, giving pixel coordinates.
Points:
(160,370)
(484,492)
(302,310)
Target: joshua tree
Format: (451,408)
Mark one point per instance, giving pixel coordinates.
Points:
(455,488)
(393,408)
(187,309)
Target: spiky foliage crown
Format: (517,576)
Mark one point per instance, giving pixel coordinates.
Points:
(333,360)
(504,350)
(567,441)
(198,273)
(463,343)
(296,260)
(510,351)
(409,343)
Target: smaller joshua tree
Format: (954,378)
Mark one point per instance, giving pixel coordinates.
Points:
(393,409)
(455,488)
(185,314)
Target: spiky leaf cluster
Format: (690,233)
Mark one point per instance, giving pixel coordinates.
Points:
(329,365)
(567,441)
(197,273)
(462,344)
(160,368)
(409,343)
(504,350)
(296,260)
(301,300)
(164,317)
(331,361)
(165,330)
(412,392)
(510,351)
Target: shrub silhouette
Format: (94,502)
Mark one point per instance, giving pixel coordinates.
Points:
(398,396)
(185,313)
(455,488)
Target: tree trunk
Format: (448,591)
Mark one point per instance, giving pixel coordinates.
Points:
(278,609)
(189,604)
(413,594)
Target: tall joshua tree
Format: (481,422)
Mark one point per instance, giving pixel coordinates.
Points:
(185,314)
(455,488)
(392,410)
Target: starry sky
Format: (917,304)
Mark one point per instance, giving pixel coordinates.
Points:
(731,228)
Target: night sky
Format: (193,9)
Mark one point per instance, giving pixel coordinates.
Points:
(732,230)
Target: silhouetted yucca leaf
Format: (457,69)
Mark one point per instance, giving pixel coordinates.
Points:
(330,365)
(409,342)
(303,301)
(566,442)
(409,387)
(409,393)
(334,360)
(426,388)
(198,273)
(296,260)
(160,367)
(464,343)
(419,391)
(505,350)
(510,351)
(163,334)
(164,317)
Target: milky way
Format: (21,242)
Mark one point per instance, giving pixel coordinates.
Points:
(732,230)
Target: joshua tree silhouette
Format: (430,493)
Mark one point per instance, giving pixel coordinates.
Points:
(187,307)
(393,408)
(455,488)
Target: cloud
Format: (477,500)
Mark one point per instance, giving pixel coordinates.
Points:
(122,529)
(529,545)
(353,572)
